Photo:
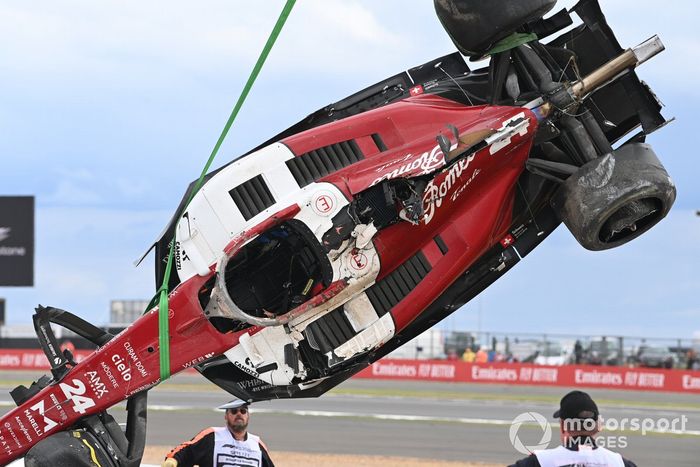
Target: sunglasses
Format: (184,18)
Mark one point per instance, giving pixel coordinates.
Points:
(242,410)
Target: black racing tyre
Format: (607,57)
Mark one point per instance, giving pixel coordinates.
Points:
(74,448)
(615,198)
(476,25)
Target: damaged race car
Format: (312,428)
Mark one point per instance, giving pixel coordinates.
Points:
(358,228)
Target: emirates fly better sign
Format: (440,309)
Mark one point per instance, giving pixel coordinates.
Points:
(16,240)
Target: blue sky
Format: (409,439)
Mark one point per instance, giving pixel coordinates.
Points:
(109,109)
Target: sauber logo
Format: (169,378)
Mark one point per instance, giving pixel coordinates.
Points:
(5,233)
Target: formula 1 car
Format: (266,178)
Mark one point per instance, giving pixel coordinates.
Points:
(343,237)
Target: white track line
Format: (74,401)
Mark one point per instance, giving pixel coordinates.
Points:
(408,418)
(392,417)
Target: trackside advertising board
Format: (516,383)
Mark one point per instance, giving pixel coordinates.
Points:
(16,241)
(636,379)
(633,379)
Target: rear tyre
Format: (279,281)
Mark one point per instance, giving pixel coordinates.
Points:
(476,25)
(615,198)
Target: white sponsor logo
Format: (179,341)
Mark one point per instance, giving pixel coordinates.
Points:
(494,374)
(436,370)
(458,192)
(645,380)
(434,194)
(597,377)
(109,374)
(539,375)
(691,382)
(134,358)
(392,369)
(198,360)
(9,360)
(48,423)
(424,164)
(96,384)
(121,365)
(10,250)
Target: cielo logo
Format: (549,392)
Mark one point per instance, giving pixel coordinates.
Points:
(4,233)
(530,419)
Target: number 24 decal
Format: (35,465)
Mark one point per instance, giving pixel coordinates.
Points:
(75,394)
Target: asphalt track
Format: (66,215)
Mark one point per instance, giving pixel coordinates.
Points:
(423,420)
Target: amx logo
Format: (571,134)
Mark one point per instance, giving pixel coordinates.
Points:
(5,233)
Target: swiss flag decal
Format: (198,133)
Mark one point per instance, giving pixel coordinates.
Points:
(507,241)
(416,90)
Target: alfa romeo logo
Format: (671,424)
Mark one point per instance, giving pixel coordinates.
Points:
(530,419)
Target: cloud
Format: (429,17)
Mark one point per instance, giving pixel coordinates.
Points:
(68,192)
(687,313)
(101,40)
(110,109)
(646,284)
(332,36)
(102,35)
(84,258)
(132,188)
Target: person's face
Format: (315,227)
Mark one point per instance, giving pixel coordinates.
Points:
(564,432)
(237,419)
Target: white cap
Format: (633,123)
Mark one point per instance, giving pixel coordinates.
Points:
(234,404)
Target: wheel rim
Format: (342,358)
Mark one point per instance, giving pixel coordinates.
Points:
(631,220)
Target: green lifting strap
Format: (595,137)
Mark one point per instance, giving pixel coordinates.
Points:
(163,321)
(511,42)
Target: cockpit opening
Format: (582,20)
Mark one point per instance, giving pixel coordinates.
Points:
(278,270)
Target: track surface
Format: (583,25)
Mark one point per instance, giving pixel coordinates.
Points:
(427,420)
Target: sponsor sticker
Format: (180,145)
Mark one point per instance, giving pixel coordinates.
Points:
(323,203)
(507,241)
(98,387)
(426,163)
(435,192)
(358,261)
(416,90)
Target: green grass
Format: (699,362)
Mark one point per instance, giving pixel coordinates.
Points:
(206,386)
